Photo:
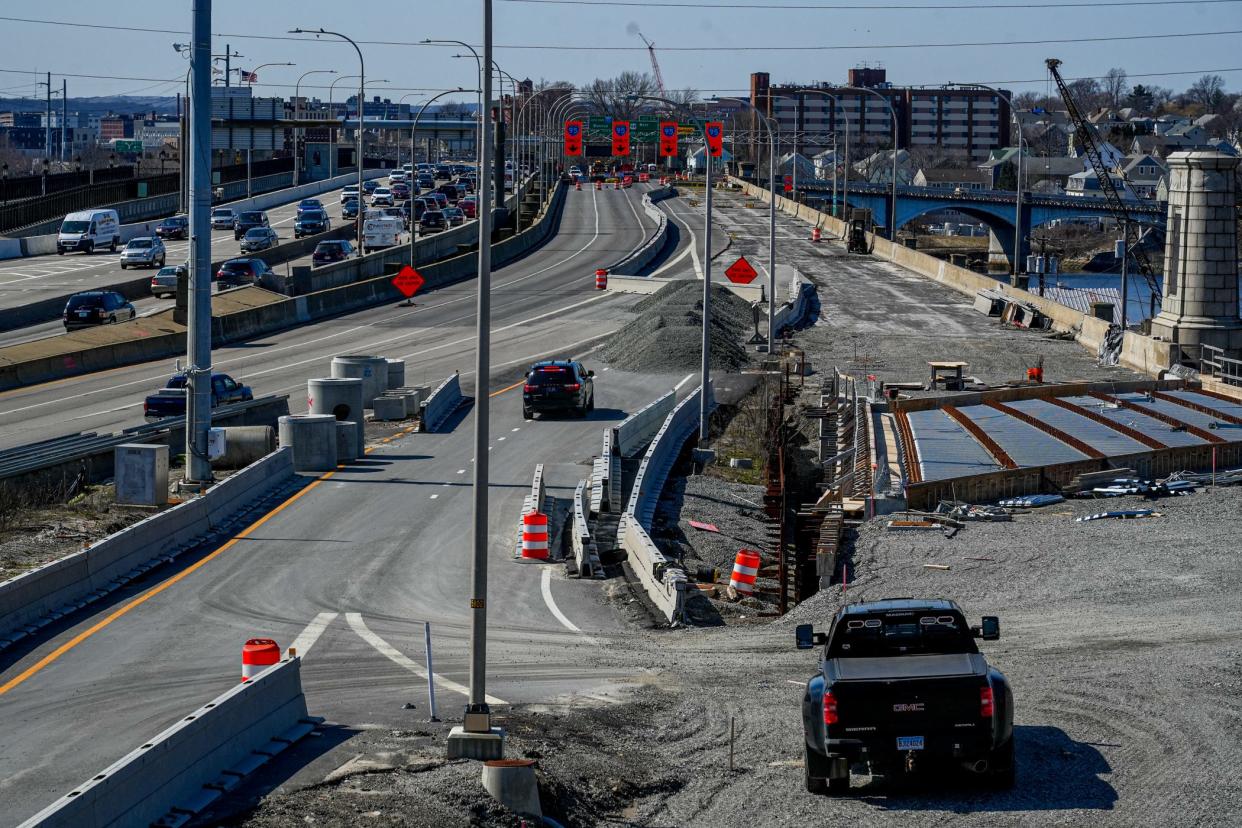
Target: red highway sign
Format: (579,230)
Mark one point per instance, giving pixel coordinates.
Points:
(741,272)
(408,281)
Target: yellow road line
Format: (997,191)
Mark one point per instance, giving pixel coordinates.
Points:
(157,589)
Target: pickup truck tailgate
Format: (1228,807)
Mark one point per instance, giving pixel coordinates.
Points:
(935,696)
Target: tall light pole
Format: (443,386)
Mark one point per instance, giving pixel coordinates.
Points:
(413,132)
(705,404)
(767,125)
(1017,210)
(477,724)
(362,71)
(845,116)
(478,133)
(198,329)
(892,232)
(254,73)
(297,116)
(400,101)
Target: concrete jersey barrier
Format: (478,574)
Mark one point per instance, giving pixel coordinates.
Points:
(635,432)
(443,401)
(42,595)
(636,262)
(193,763)
(586,556)
(664,585)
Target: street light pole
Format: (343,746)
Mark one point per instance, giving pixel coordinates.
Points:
(297,116)
(892,232)
(362,71)
(198,329)
(768,127)
(1017,210)
(413,131)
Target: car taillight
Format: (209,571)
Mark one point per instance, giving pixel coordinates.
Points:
(830,709)
(572,386)
(987,703)
(145,407)
(528,387)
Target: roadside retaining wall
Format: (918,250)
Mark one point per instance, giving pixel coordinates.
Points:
(190,765)
(42,595)
(1139,353)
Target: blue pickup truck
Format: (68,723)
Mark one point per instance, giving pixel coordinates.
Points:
(170,400)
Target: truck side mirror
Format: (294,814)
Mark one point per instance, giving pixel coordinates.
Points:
(990,628)
(804,635)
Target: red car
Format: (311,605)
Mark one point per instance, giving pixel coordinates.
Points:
(239,272)
(469,206)
(400,190)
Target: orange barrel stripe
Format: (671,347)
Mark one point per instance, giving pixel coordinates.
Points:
(257,655)
(745,571)
(535,535)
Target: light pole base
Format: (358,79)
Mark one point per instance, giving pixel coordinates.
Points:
(463,744)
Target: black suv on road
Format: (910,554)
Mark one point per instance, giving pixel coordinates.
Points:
(558,385)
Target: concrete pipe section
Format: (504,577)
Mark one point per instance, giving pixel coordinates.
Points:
(244,445)
(313,439)
(396,373)
(372,370)
(347,441)
(341,398)
(512,783)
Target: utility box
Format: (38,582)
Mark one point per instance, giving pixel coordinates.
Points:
(217,443)
(141,474)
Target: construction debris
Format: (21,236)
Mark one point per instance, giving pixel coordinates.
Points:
(703,527)
(1124,514)
(944,567)
(969,511)
(1030,501)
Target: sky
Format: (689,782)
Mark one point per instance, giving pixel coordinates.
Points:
(736,42)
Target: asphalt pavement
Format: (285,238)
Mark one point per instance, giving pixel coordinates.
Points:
(355,564)
(23,281)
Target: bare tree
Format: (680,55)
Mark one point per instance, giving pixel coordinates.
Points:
(683,97)
(620,97)
(1115,87)
(1208,91)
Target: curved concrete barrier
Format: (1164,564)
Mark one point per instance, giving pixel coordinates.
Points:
(635,432)
(187,767)
(664,585)
(636,262)
(40,596)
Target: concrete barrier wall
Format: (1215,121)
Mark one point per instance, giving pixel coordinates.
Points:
(647,286)
(443,401)
(665,586)
(220,742)
(610,475)
(635,432)
(28,600)
(793,312)
(585,556)
(144,213)
(362,289)
(1139,353)
(637,261)
(534,501)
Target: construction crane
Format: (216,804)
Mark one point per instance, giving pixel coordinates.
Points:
(655,66)
(1085,134)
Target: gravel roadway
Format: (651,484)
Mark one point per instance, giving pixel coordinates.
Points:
(1123,640)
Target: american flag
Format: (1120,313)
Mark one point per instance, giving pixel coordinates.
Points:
(248,77)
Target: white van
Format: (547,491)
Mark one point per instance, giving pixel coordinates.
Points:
(88,229)
(383,231)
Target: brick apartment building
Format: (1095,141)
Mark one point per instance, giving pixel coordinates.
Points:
(971,121)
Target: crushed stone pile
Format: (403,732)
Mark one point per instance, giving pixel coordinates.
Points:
(667,335)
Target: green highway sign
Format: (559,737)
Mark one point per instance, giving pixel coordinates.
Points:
(647,128)
(599,127)
(127,146)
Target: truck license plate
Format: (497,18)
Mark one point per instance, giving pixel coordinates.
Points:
(909,742)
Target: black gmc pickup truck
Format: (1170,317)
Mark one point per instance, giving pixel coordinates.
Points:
(903,688)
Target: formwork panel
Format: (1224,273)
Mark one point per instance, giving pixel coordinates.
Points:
(1023,442)
(945,448)
(1232,409)
(1138,421)
(1100,437)
(1171,409)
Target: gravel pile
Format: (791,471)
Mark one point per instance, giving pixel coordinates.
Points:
(667,335)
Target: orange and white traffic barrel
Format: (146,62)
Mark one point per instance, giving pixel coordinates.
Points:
(257,655)
(601,279)
(599,185)
(815,234)
(745,571)
(616,185)
(577,183)
(535,535)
